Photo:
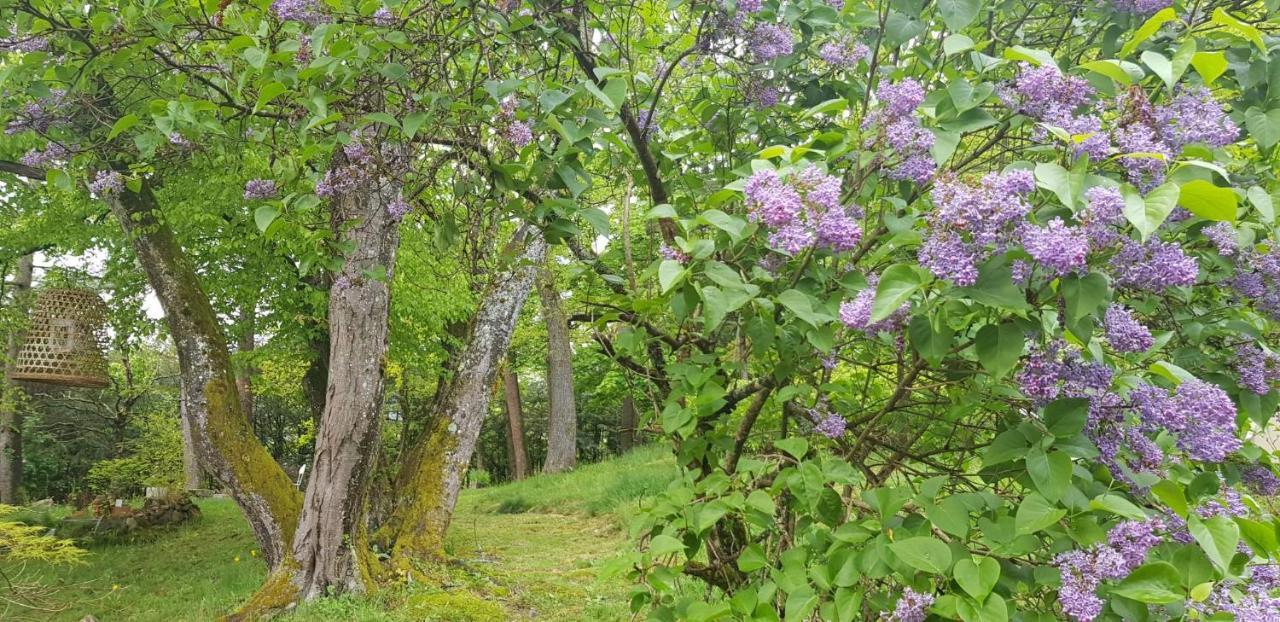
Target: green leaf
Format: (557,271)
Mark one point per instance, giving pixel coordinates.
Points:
(1210,65)
(264,216)
(752,558)
(1057,180)
(670,272)
(993,609)
(383,118)
(1208,201)
(1263,126)
(1159,65)
(957,14)
(1117,505)
(413,123)
(1146,214)
(950,515)
(1218,537)
(1261,200)
(1173,373)
(796,446)
(805,307)
(1157,583)
(1111,69)
(1035,57)
(269,93)
(923,553)
(1084,295)
(956,43)
(1242,29)
(977,576)
(897,284)
(732,225)
(612,95)
(1170,493)
(1035,513)
(1007,445)
(122,124)
(1051,472)
(1260,536)
(662,545)
(552,99)
(1066,417)
(719,303)
(1148,28)
(932,343)
(999,347)
(830,106)
(995,287)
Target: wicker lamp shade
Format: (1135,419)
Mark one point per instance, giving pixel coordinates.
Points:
(64,340)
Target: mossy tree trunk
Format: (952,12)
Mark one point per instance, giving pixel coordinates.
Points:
(562,413)
(433,471)
(330,548)
(10,394)
(221,436)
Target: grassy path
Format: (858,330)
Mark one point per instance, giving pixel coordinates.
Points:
(535,550)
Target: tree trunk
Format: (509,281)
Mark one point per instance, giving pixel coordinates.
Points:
(562,415)
(223,441)
(192,477)
(244,372)
(627,425)
(433,470)
(330,548)
(515,421)
(10,408)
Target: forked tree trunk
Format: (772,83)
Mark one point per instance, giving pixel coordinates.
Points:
(244,372)
(223,441)
(435,466)
(10,398)
(515,420)
(562,413)
(627,425)
(330,549)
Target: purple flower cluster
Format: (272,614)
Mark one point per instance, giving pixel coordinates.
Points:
(107,183)
(52,153)
(1202,416)
(1195,117)
(899,129)
(41,115)
(1154,266)
(16,43)
(762,94)
(970,222)
(384,18)
(1045,92)
(1149,156)
(1261,480)
(856,314)
(1257,369)
(828,424)
(357,172)
(517,132)
(1141,7)
(912,607)
(750,6)
(843,52)
(309,12)
(260,189)
(802,210)
(181,142)
(1124,333)
(398,208)
(1083,571)
(1223,236)
(769,41)
(674,254)
(1056,246)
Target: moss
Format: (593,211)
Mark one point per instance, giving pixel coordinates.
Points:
(415,531)
(454,607)
(276,594)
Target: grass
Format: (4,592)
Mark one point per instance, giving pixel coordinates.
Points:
(531,550)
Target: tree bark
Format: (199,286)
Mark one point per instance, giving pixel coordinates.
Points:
(10,408)
(223,441)
(515,421)
(244,372)
(627,425)
(330,549)
(562,415)
(433,470)
(193,479)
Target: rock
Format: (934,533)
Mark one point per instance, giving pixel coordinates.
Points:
(89,618)
(42,504)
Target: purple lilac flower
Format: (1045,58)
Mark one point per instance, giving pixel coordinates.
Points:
(52,153)
(41,115)
(1141,7)
(906,135)
(829,425)
(1044,92)
(770,200)
(821,191)
(791,238)
(1195,117)
(518,133)
(398,208)
(900,99)
(674,254)
(1223,236)
(258,189)
(912,607)
(1256,369)
(837,231)
(1056,246)
(917,168)
(836,4)
(829,361)
(769,41)
(1133,540)
(27,44)
(1145,170)
(1262,481)
(1265,577)
(970,222)
(341,180)
(1229,504)
(1154,266)
(1083,571)
(1248,284)
(762,94)
(1124,333)
(107,183)
(843,53)
(180,141)
(309,12)
(750,6)
(948,257)
(1086,132)
(384,18)
(1103,215)
(856,314)
(1207,430)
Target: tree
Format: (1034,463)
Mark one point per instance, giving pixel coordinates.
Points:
(10,393)
(519,458)
(562,416)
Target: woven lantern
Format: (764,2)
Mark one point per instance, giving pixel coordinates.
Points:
(64,340)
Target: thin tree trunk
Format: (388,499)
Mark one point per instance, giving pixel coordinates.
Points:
(515,420)
(10,407)
(244,372)
(433,470)
(223,441)
(562,415)
(330,549)
(192,477)
(627,425)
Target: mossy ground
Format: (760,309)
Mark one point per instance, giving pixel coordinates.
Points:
(533,550)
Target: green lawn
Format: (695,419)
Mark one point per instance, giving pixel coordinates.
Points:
(533,550)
